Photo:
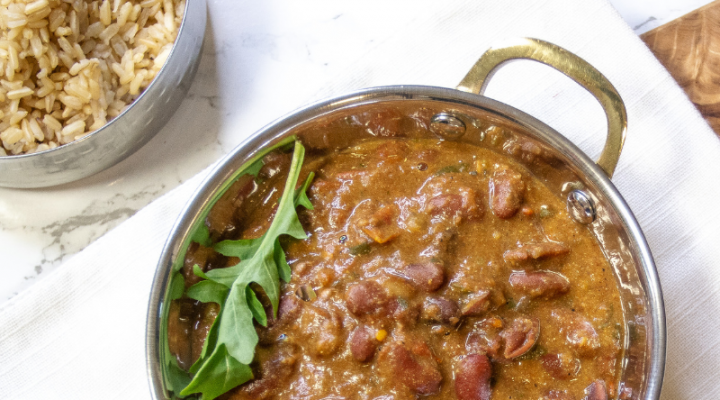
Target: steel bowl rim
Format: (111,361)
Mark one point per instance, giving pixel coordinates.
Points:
(278,128)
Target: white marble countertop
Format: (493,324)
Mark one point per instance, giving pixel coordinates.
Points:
(267,60)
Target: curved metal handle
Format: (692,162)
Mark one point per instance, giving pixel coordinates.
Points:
(569,64)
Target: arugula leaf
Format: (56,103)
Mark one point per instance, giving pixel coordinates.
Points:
(177,377)
(217,375)
(361,249)
(236,328)
(208,292)
(283,267)
(202,235)
(177,286)
(199,272)
(246,248)
(256,307)
(462,167)
(263,262)
(243,248)
(301,198)
(199,233)
(254,168)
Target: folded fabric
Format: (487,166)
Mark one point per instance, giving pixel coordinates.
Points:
(80,332)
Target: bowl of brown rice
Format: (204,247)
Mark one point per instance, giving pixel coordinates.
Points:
(85,83)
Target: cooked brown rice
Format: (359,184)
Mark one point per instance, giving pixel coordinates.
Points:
(67,67)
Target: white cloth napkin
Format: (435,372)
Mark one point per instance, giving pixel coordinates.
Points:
(80,333)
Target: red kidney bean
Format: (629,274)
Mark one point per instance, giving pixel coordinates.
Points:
(366,297)
(507,192)
(520,336)
(477,304)
(404,313)
(535,251)
(561,366)
(579,332)
(464,204)
(275,372)
(596,391)
(545,284)
(438,309)
(362,344)
(558,395)
(472,378)
(289,308)
(426,276)
(386,123)
(417,372)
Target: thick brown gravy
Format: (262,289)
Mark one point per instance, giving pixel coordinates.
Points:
(441,270)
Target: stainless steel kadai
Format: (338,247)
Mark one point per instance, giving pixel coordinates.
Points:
(465,115)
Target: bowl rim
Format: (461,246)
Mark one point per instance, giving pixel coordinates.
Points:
(69,146)
(279,128)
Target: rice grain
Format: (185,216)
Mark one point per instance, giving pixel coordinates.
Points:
(68,67)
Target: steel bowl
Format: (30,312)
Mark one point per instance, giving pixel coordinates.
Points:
(126,133)
(462,115)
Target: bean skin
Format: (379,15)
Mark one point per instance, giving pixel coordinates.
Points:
(561,366)
(464,205)
(579,332)
(362,344)
(289,308)
(404,313)
(449,204)
(439,309)
(545,284)
(427,277)
(507,191)
(596,391)
(477,304)
(558,395)
(472,378)
(535,251)
(275,372)
(198,255)
(365,298)
(417,372)
(520,336)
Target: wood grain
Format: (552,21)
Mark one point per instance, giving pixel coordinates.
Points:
(689,47)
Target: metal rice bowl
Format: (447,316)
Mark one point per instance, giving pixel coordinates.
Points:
(127,132)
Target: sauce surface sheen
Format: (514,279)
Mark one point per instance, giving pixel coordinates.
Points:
(441,270)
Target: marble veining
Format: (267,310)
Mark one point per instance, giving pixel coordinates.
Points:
(266,60)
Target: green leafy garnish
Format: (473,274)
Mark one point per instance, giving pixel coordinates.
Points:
(263,263)
(306,293)
(462,167)
(208,292)
(510,303)
(545,211)
(361,249)
(218,374)
(174,378)
(231,341)
(202,236)
(536,352)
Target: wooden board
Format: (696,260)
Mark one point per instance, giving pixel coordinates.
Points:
(689,47)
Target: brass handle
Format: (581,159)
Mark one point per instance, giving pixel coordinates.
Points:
(569,64)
